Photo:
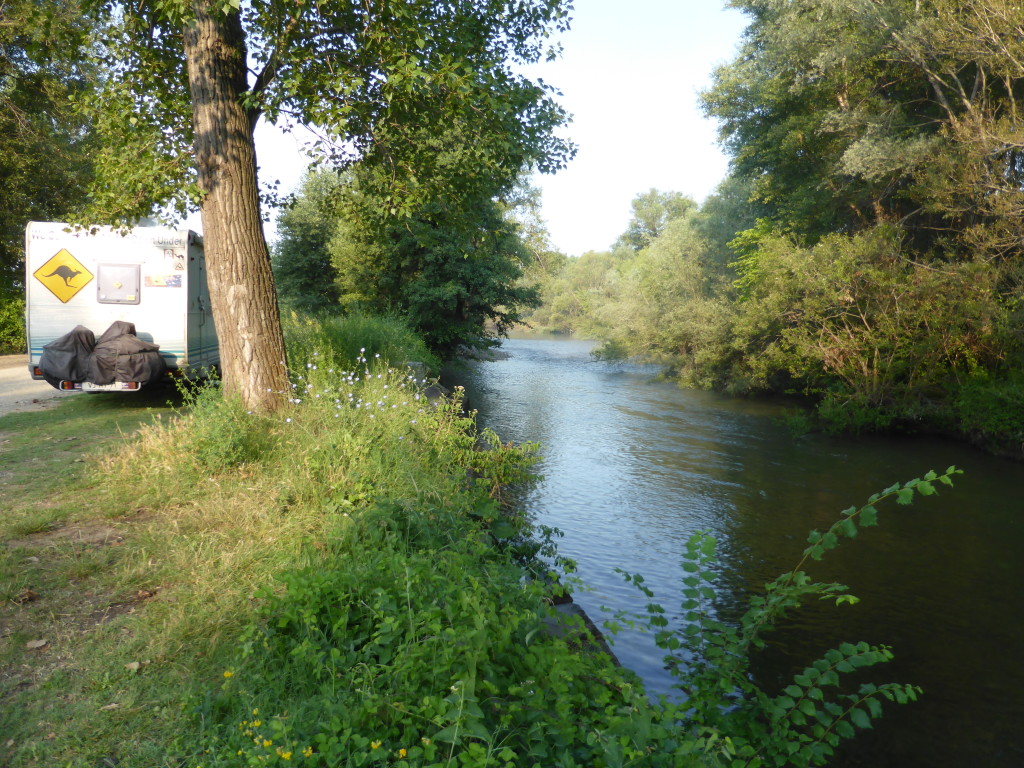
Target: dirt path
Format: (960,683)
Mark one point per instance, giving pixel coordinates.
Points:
(19,392)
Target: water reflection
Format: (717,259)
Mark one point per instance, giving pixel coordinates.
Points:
(632,467)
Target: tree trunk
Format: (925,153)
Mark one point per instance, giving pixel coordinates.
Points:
(242,293)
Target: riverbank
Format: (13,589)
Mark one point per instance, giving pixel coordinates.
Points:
(339,584)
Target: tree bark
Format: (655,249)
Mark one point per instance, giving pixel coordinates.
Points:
(242,294)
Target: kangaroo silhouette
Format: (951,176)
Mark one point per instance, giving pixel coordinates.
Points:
(64,272)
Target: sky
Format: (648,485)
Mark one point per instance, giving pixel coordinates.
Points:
(630,76)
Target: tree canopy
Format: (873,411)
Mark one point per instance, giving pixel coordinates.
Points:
(451,269)
(379,81)
(44,144)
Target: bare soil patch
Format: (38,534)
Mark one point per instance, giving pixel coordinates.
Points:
(89,535)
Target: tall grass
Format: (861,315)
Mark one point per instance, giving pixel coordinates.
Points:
(355,335)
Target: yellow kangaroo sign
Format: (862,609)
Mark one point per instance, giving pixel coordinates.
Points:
(63,275)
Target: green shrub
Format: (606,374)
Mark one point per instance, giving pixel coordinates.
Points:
(12,322)
(991,411)
(349,337)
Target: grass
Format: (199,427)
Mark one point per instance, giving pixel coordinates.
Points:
(340,584)
(146,550)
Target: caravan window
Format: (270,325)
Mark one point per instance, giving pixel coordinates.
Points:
(118,283)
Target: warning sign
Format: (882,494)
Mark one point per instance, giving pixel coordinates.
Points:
(63,275)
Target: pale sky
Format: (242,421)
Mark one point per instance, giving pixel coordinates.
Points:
(630,75)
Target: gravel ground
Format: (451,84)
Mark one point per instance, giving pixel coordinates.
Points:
(19,392)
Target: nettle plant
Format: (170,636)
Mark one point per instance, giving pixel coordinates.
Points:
(728,716)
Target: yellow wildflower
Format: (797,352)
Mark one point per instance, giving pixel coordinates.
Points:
(286,755)
(228,673)
(267,742)
(402,752)
(375,744)
(307,752)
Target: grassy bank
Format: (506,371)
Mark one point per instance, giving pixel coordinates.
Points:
(341,584)
(335,585)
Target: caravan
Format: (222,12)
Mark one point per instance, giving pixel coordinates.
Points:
(142,292)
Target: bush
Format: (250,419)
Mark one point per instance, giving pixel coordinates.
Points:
(991,411)
(12,322)
(349,337)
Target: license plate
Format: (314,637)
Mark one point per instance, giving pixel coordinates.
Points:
(117,386)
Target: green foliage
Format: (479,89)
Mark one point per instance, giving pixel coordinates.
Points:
(45,147)
(12,321)
(452,269)
(877,335)
(573,293)
(452,272)
(420,645)
(379,83)
(852,317)
(303,273)
(802,724)
(990,409)
(354,336)
(222,434)
(652,211)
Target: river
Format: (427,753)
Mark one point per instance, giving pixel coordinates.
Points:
(633,466)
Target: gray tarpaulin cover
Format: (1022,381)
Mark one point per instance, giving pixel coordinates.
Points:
(67,358)
(118,355)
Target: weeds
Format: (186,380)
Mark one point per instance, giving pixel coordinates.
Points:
(340,585)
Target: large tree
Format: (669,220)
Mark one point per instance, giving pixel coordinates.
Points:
(195,77)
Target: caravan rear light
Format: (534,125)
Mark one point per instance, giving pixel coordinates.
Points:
(69,385)
(37,371)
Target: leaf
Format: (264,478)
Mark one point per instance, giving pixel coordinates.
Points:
(905,496)
(845,730)
(860,718)
(503,529)
(33,645)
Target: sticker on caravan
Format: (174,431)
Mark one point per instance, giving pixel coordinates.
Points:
(63,275)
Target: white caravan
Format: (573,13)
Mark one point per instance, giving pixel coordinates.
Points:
(148,284)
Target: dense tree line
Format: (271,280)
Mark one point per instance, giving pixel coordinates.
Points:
(865,249)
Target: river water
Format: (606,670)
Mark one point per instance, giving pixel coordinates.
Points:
(633,466)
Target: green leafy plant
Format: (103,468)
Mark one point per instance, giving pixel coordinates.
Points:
(726,711)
